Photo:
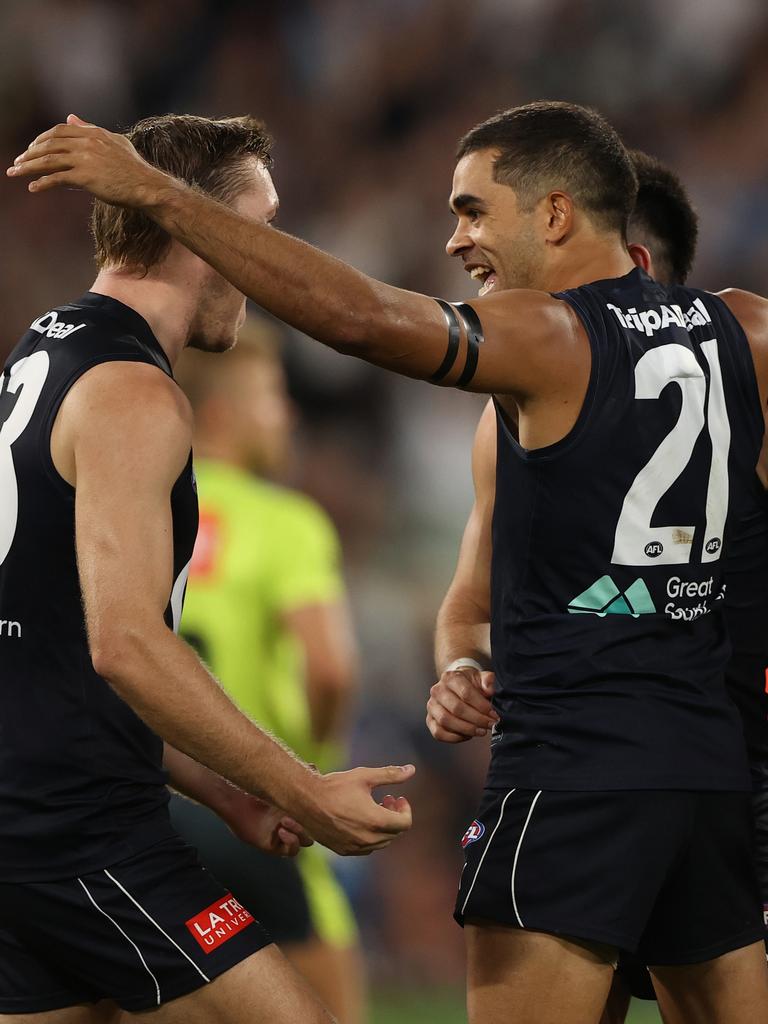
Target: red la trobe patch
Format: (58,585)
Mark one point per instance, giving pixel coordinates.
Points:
(219,922)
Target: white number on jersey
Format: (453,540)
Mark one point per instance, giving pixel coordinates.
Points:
(636,541)
(26,380)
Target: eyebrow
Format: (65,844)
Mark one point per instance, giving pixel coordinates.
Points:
(463,200)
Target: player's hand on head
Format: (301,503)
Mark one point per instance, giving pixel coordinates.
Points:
(268,828)
(82,155)
(459,706)
(347,819)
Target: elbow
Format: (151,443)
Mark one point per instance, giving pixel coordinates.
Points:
(115,652)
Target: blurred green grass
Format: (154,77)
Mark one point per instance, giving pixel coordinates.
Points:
(447,1007)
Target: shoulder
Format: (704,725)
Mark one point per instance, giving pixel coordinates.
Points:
(120,405)
(751,311)
(542,313)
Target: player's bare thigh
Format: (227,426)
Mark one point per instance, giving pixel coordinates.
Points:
(731,989)
(263,989)
(534,977)
(105,1012)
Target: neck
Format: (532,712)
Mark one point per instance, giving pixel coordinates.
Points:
(596,261)
(167,305)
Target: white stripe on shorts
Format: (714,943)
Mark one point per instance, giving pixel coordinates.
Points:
(517,854)
(154,922)
(126,937)
(487,848)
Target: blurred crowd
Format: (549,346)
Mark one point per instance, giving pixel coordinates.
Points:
(366,101)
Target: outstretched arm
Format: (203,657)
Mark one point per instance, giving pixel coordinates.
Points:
(459,706)
(534,345)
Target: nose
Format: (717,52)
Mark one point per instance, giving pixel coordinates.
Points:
(459,241)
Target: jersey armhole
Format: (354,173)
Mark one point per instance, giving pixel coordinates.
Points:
(745,354)
(578,430)
(46,428)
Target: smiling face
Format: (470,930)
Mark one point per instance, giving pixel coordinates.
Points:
(502,246)
(221,311)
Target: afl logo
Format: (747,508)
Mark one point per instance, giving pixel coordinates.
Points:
(653,548)
(475,831)
(713,546)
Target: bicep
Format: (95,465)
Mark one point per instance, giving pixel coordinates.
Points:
(516,342)
(130,443)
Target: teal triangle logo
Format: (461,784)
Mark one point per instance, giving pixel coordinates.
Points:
(605,598)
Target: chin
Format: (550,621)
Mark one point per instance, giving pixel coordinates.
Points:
(218,344)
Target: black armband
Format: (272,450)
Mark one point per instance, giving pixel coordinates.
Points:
(475,339)
(454,334)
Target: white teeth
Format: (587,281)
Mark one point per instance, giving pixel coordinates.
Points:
(477,272)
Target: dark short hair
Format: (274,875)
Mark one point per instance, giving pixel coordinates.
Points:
(209,154)
(552,145)
(663,219)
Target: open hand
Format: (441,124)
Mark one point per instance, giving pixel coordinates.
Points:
(459,706)
(82,155)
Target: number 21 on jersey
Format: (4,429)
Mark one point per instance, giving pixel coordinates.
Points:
(25,381)
(636,541)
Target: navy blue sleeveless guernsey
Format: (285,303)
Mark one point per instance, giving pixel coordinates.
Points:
(609,549)
(81,777)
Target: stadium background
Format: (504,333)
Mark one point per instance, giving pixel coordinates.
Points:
(366,101)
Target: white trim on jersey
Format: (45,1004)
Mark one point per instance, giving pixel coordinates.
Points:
(177,596)
(487,848)
(126,937)
(154,922)
(517,854)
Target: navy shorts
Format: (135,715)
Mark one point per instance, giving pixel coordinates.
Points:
(140,932)
(271,887)
(667,874)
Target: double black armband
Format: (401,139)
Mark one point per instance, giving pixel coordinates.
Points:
(455,317)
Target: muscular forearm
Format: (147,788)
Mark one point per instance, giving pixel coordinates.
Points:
(462,631)
(185,705)
(306,288)
(194,780)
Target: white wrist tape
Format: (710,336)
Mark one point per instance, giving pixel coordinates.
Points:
(463,663)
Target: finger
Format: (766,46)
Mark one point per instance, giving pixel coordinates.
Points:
(50,181)
(443,703)
(289,843)
(391,775)
(488,683)
(63,131)
(49,164)
(74,119)
(62,147)
(444,735)
(295,829)
(442,717)
(392,821)
(467,690)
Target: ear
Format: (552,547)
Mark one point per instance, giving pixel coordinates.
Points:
(560,216)
(641,257)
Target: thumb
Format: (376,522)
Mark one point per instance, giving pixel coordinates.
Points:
(391,775)
(74,119)
(487,683)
